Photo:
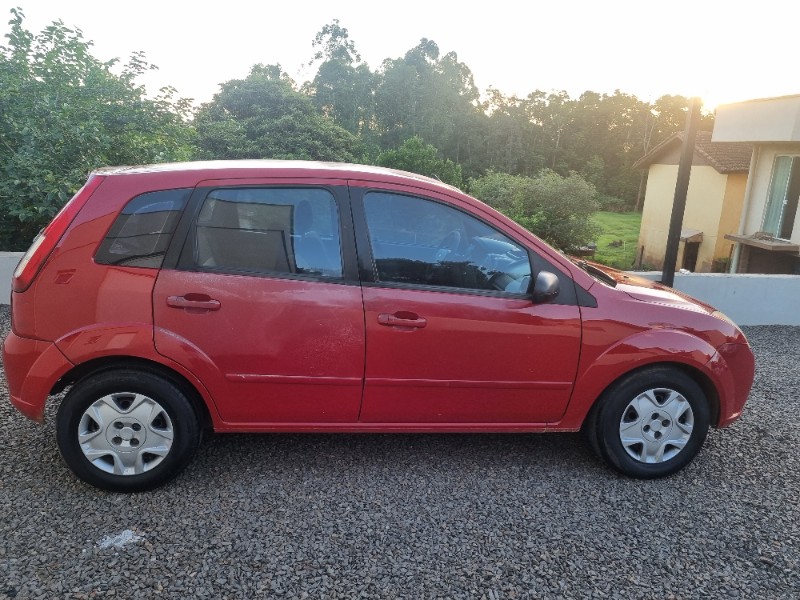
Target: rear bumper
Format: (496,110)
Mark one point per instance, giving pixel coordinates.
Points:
(32,368)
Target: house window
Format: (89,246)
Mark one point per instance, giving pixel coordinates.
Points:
(784,190)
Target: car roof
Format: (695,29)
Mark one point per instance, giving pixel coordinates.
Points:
(221,169)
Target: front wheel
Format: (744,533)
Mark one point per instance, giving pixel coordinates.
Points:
(126,430)
(651,423)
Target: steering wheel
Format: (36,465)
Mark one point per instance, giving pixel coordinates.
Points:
(451,243)
(513,277)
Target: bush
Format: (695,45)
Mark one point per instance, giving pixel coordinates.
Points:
(66,113)
(416,156)
(557,209)
(720,265)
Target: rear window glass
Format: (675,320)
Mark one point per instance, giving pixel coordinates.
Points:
(141,233)
(269,230)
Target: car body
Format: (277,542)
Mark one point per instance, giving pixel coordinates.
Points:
(303,296)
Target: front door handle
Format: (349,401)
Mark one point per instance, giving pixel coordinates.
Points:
(200,301)
(402,319)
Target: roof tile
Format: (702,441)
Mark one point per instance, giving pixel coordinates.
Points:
(725,157)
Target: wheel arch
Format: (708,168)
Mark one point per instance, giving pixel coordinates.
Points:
(700,378)
(604,366)
(109,363)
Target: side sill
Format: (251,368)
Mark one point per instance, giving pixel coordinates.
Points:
(391,428)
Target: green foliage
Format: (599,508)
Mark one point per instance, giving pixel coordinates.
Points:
(512,143)
(602,135)
(343,87)
(418,157)
(343,92)
(333,43)
(431,96)
(65,113)
(618,239)
(720,265)
(612,203)
(557,209)
(264,116)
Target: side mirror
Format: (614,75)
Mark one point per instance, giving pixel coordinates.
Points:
(545,288)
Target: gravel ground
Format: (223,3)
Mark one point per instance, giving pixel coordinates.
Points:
(418,516)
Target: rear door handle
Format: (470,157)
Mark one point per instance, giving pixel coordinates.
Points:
(200,301)
(402,319)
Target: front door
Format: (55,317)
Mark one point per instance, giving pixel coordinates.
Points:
(452,336)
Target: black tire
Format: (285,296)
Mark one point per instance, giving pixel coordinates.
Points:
(140,429)
(651,423)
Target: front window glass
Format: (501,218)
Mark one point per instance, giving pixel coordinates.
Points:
(274,230)
(421,242)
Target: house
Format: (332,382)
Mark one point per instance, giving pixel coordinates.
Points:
(768,236)
(713,203)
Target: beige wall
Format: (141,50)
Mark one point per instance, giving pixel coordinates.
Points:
(707,192)
(730,218)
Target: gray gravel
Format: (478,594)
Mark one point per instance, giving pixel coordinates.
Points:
(418,516)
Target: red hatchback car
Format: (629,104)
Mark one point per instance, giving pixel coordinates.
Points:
(298,296)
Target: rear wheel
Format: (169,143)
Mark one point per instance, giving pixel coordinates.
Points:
(651,423)
(127,430)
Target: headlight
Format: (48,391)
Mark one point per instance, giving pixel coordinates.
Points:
(723,317)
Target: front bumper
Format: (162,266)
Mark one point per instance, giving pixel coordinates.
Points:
(734,366)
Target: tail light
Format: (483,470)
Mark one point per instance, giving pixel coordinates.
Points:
(46,241)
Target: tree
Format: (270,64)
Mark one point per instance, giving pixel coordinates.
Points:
(601,135)
(553,114)
(512,141)
(665,117)
(264,116)
(65,113)
(418,157)
(607,134)
(343,87)
(557,209)
(431,96)
(333,43)
(401,93)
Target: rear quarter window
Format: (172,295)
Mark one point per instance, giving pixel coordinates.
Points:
(141,233)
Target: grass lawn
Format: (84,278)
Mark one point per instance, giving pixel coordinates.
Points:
(618,239)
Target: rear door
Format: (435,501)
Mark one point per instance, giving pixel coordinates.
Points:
(262,302)
(452,336)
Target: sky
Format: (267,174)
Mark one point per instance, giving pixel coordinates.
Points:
(719,50)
